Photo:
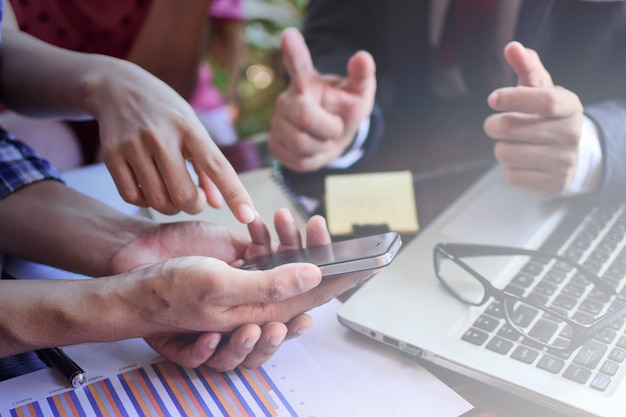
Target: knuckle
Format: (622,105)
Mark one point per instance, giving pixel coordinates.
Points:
(162,205)
(222,367)
(501,153)
(130,195)
(305,117)
(147,137)
(572,135)
(300,140)
(550,102)
(218,166)
(184,197)
(276,292)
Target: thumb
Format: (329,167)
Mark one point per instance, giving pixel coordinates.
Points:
(272,285)
(527,66)
(297,59)
(361,73)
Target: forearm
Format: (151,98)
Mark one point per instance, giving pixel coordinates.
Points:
(75,233)
(44,313)
(161,36)
(40,79)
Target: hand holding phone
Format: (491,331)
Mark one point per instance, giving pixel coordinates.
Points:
(343,257)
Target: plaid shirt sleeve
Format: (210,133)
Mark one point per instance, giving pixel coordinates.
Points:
(20,165)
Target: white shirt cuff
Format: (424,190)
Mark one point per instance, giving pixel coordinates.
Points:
(356,150)
(589,166)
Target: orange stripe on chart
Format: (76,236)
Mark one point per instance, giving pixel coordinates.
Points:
(71,403)
(96,396)
(262,395)
(31,409)
(208,377)
(262,378)
(179,396)
(112,402)
(21,412)
(139,397)
(57,402)
(148,393)
(185,381)
(230,392)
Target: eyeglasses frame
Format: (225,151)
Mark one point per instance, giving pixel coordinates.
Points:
(581,332)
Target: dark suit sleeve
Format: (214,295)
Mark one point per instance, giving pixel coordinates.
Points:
(334,31)
(610,117)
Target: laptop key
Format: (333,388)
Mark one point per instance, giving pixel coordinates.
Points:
(592,307)
(564,302)
(543,330)
(486,323)
(524,315)
(546,288)
(617,325)
(525,354)
(609,368)
(508,332)
(617,355)
(495,310)
(523,280)
(555,275)
(475,336)
(550,364)
(533,268)
(590,354)
(605,336)
(515,289)
(577,374)
(600,382)
(573,290)
(499,345)
(539,297)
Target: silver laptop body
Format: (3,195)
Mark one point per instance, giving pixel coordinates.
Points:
(405,306)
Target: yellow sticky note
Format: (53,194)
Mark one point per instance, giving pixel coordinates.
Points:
(371,199)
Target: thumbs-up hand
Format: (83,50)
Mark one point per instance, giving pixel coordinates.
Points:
(538,127)
(317,116)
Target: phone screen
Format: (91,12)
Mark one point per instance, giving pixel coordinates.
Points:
(337,258)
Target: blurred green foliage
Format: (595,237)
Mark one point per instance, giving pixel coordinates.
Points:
(263,78)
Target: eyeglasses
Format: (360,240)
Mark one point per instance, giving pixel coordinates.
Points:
(542,318)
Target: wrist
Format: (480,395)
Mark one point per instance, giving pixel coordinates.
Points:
(131,247)
(101,79)
(354,152)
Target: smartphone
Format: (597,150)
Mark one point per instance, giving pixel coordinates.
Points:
(346,256)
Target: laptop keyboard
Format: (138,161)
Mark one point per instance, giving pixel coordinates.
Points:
(597,242)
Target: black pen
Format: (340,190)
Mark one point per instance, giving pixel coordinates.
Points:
(70,369)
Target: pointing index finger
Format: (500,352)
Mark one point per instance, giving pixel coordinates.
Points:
(527,66)
(297,59)
(361,73)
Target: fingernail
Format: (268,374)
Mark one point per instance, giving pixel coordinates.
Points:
(249,343)
(275,341)
(308,278)
(212,344)
(301,330)
(493,98)
(246,214)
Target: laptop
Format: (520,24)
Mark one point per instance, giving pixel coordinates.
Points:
(405,306)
